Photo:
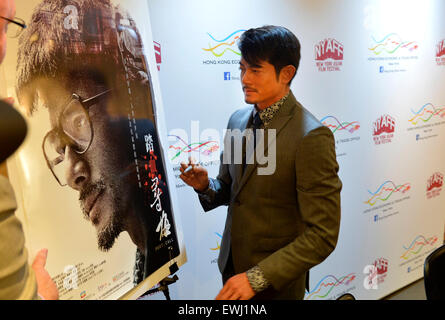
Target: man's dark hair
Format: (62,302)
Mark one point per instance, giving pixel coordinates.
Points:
(274,44)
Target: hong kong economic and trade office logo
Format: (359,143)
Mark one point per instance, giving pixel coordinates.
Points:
(206,145)
(419,245)
(180,149)
(345,132)
(393,53)
(224,50)
(426,113)
(385,191)
(217,247)
(331,287)
(392,43)
(337,125)
(383,129)
(329,55)
(434,185)
(218,242)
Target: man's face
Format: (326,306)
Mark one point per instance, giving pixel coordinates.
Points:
(98,174)
(260,84)
(7,10)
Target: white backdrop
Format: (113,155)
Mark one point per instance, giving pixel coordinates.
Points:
(373,72)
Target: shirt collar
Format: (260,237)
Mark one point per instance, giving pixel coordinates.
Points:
(267,114)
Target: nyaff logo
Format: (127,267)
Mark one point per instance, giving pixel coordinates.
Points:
(383,129)
(158,56)
(329,55)
(376,274)
(382,269)
(434,185)
(440,53)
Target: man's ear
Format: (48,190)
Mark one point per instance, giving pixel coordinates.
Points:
(287,73)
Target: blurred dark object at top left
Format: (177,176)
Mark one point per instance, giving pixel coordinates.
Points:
(13,130)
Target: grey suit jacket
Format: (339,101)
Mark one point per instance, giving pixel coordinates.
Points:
(286,222)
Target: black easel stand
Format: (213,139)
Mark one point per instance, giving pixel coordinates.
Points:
(163,285)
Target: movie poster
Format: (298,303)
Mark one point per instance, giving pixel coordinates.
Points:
(92,179)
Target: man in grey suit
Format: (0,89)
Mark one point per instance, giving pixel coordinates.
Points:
(281,223)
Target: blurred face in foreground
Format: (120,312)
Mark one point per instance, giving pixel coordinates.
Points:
(7,10)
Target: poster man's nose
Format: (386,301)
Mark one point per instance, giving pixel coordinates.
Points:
(77,170)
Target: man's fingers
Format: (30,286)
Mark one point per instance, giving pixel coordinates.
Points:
(218,297)
(236,288)
(235,295)
(226,291)
(40,259)
(185,178)
(244,297)
(189,169)
(228,295)
(222,293)
(183,166)
(192,161)
(221,296)
(186,168)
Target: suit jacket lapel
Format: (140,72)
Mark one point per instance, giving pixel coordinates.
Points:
(278,123)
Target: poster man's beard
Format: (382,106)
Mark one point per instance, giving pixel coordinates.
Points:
(107,236)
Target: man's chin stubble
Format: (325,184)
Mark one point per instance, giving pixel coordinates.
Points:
(107,237)
(105,241)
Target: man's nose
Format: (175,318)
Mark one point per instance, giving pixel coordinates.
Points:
(245,78)
(77,170)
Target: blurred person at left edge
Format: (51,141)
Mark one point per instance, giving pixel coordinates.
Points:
(18,280)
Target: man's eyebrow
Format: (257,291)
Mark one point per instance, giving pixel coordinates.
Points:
(255,66)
